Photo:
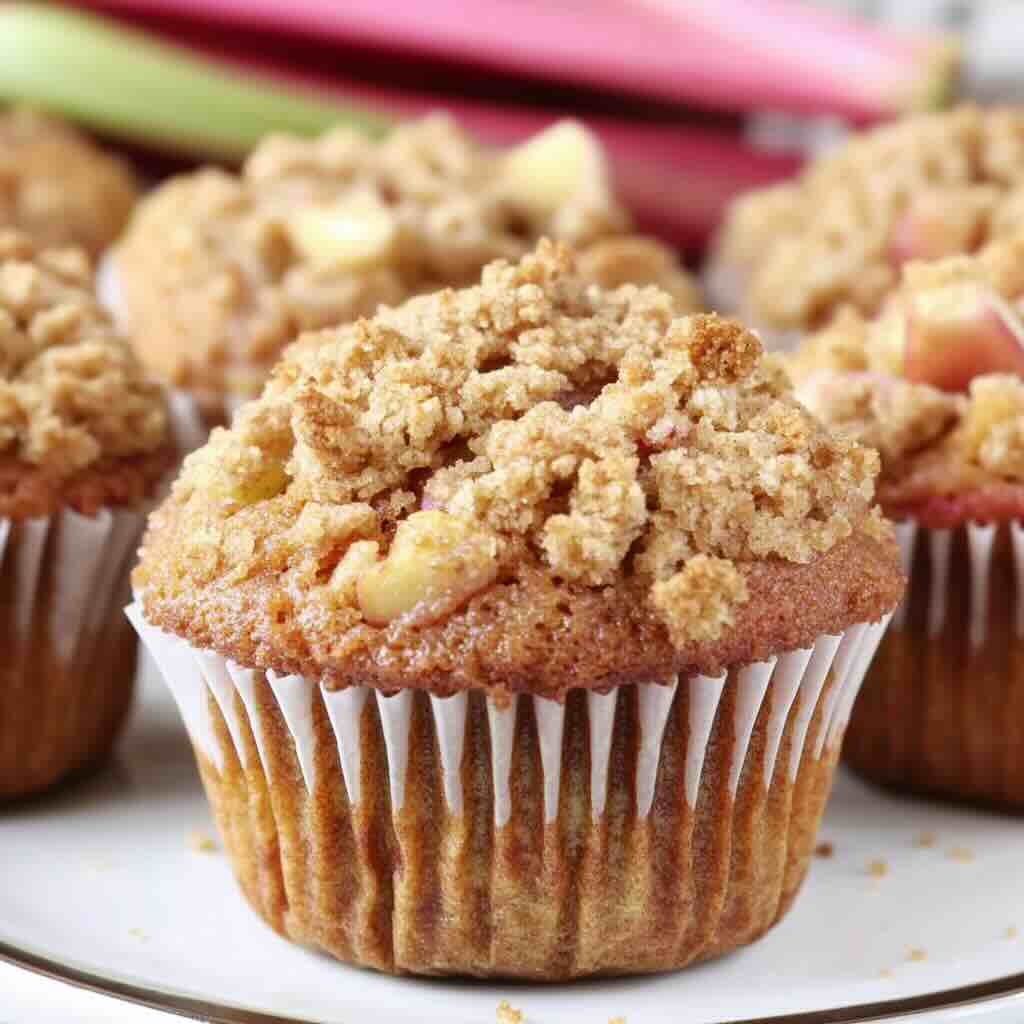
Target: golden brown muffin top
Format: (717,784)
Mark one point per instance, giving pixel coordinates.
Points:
(935,382)
(441,495)
(927,186)
(219,272)
(57,186)
(73,396)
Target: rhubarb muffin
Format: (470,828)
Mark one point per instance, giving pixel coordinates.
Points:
(926,187)
(57,187)
(516,630)
(936,384)
(219,272)
(83,441)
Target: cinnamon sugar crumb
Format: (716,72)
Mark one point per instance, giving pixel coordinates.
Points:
(71,390)
(506,1014)
(878,868)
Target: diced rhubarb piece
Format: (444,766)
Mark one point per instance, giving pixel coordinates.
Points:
(436,562)
(960,332)
(929,231)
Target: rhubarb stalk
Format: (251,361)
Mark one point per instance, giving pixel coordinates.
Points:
(676,180)
(728,54)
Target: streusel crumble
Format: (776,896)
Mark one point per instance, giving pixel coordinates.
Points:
(219,272)
(925,187)
(509,467)
(935,382)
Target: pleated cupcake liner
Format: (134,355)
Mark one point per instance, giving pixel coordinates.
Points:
(66,674)
(942,710)
(629,831)
(68,661)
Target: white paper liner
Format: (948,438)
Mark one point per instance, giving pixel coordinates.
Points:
(980,539)
(108,287)
(795,680)
(89,558)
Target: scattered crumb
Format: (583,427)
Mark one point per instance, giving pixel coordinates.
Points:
(917,955)
(138,933)
(507,1014)
(878,868)
(925,839)
(963,854)
(616,1020)
(201,842)
(825,850)
(885,972)
(1010,933)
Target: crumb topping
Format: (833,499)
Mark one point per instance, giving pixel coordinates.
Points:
(936,381)
(533,424)
(220,272)
(71,391)
(925,187)
(57,187)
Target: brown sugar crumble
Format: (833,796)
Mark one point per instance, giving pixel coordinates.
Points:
(507,1014)
(71,391)
(219,272)
(825,850)
(925,187)
(201,842)
(878,868)
(961,854)
(534,434)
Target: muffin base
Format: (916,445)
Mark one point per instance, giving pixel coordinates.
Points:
(68,666)
(627,832)
(942,708)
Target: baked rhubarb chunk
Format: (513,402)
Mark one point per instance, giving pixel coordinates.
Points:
(219,272)
(516,630)
(922,188)
(936,384)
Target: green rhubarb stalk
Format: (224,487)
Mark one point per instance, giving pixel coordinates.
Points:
(126,83)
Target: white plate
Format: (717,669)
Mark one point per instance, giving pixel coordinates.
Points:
(99,885)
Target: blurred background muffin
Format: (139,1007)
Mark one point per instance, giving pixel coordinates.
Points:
(58,187)
(921,188)
(219,272)
(84,441)
(936,384)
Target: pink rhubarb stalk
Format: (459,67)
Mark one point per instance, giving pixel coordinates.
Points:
(728,54)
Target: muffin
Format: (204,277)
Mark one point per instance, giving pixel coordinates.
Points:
(516,630)
(219,272)
(936,384)
(84,440)
(922,188)
(57,187)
